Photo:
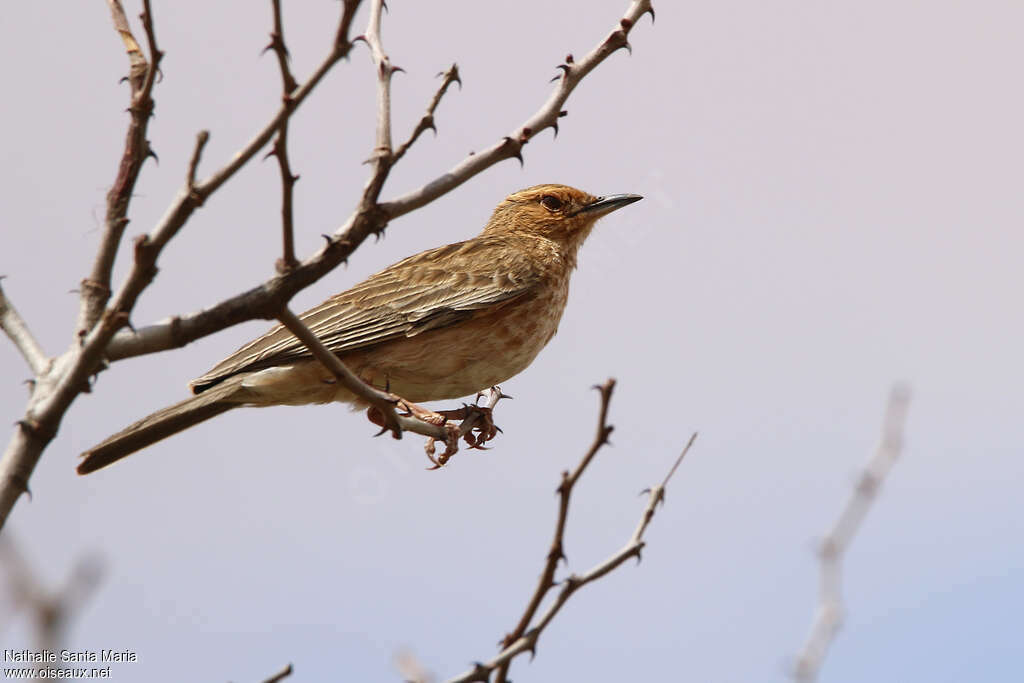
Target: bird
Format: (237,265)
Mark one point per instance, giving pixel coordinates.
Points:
(442,324)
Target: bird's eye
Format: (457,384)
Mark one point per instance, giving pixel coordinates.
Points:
(551,203)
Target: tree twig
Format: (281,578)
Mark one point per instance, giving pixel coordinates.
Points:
(451,75)
(383,401)
(384,72)
(510,147)
(280,148)
(50,610)
(280,675)
(15,327)
(829,615)
(95,289)
(529,628)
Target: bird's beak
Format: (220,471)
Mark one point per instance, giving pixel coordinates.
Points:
(605,205)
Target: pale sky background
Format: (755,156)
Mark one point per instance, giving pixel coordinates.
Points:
(833,203)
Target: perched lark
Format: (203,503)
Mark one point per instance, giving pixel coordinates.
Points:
(442,324)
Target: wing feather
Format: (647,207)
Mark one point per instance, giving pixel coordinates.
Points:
(431,290)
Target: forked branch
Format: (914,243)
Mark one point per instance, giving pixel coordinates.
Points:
(527,631)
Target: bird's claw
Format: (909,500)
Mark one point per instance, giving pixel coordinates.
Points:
(451,446)
(482,429)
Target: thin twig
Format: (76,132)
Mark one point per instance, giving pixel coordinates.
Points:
(280,50)
(384,72)
(369,218)
(14,325)
(95,289)
(280,675)
(383,401)
(510,147)
(557,550)
(427,122)
(288,180)
(527,632)
(197,154)
(50,610)
(280,148)
(829,615)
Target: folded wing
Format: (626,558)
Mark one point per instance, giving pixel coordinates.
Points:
(430,290)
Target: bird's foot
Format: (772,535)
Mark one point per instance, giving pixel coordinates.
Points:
(475,426)
(410,409)
(451,446)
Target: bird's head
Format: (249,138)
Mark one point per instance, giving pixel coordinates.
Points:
(558,212)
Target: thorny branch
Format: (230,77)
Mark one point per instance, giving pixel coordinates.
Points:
(101,335)
(264,300)
(527,632)
(280,148)
(829,616)
(95,289)
(69,375)
(427,122)
(509,147)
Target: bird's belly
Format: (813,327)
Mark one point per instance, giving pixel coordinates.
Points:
(466,357)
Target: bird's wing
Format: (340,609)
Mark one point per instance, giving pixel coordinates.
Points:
(430,290)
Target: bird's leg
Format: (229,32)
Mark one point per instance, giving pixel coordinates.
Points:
(408,408)
(472,423)
(451,446)
(419,412)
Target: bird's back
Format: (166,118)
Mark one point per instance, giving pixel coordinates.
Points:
(442,288)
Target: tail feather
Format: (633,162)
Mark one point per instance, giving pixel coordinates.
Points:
(160,425)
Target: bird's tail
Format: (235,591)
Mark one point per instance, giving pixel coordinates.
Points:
(161,424)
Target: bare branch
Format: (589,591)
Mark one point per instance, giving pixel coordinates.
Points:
(384,73)
(340,50)
(50,610)
(427,122)
(829,615)
(510,146)
(277,45)
(370,217)
(95,289)
(280,675)
(557,550)
(197,153)
(280,148)
(50,400)
(12,323)
(384,402)
(527,632)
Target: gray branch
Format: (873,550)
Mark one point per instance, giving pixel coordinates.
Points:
(829,615)
(14,326)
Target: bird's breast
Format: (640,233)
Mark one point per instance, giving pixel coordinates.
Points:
(459,360)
